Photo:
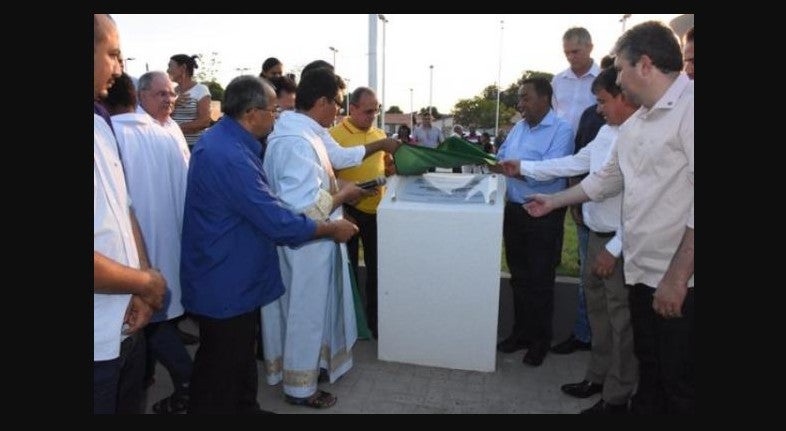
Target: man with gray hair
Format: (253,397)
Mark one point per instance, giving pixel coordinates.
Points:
(572,95)
(229,265)
(156,168)
(157,99)
(655,152)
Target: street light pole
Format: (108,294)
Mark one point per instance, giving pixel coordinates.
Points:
(384,74)
(624,20)
(499,76)
(125,65)
(430,88)
(411,111)
(349,93)
(242,70)
(334,56)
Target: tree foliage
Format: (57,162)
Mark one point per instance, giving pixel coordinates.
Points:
(216,90)
(482,109)
(394,110)
(510,96)
(208,67)
(434,112)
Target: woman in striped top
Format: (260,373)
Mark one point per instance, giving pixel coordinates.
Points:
(192,109)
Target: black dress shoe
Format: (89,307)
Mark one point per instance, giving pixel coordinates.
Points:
(570,345)
(535,354)
(583,389)
(512,344)
(604,408)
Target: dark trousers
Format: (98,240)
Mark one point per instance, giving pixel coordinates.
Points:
(529,250)
(367,223)
(165,345)
(118,385)
(225,368)
(664,348)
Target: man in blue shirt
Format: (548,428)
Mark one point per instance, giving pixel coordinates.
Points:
(531,243)
(229,264)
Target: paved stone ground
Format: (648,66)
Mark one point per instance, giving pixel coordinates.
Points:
(374,386)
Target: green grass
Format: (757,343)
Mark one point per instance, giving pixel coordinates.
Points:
(570,260)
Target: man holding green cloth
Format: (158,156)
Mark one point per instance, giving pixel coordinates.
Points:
(355,130)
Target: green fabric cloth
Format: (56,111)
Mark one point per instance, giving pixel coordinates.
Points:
(451,153)
(360,315)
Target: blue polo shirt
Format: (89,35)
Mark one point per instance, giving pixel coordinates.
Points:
(232,223)
(549,139)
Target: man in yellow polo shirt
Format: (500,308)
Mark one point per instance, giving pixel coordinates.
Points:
(358,129)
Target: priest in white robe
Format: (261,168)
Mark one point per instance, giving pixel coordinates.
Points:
(312,326)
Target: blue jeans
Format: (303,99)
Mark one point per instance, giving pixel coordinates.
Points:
(581,328)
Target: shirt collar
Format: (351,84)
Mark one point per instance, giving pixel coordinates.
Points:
(673,93)
(351,128)
(548,120)
(593,71)
(231,126)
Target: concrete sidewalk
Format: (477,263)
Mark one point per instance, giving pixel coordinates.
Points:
(374,386)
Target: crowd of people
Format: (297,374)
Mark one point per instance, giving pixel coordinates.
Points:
(253,225)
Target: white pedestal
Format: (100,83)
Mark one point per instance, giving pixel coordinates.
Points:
(439,269)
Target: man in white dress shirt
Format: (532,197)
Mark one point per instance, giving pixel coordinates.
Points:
(572,95)
(156,169)
(126,290)
(653,165)
(612,367)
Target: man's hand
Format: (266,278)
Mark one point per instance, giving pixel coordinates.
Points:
(668,298)
(138,315)
(390,145)
(497,169)
(604,264)
(343,230)
(155,289)
(540,205)
(511,168)
(390,165)
(350,193)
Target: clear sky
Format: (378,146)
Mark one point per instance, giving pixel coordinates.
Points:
(464,49)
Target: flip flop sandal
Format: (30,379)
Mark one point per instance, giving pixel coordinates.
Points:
(320,400)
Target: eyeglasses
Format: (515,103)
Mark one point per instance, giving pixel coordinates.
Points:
(164,93)
(339,102)
(276,110)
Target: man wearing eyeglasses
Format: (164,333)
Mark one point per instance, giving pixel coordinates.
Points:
(358,129)
(229,268)
(157,98)
(313,324)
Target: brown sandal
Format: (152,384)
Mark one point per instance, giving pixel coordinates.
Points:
(319,400)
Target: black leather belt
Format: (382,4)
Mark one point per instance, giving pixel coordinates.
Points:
(604,234)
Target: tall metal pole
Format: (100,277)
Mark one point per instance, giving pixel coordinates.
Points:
(334,56)
(384,74)
(372,50)
(411,110)
(349,93)
(125,68)
(430,89)
(499,76)
(624,20)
